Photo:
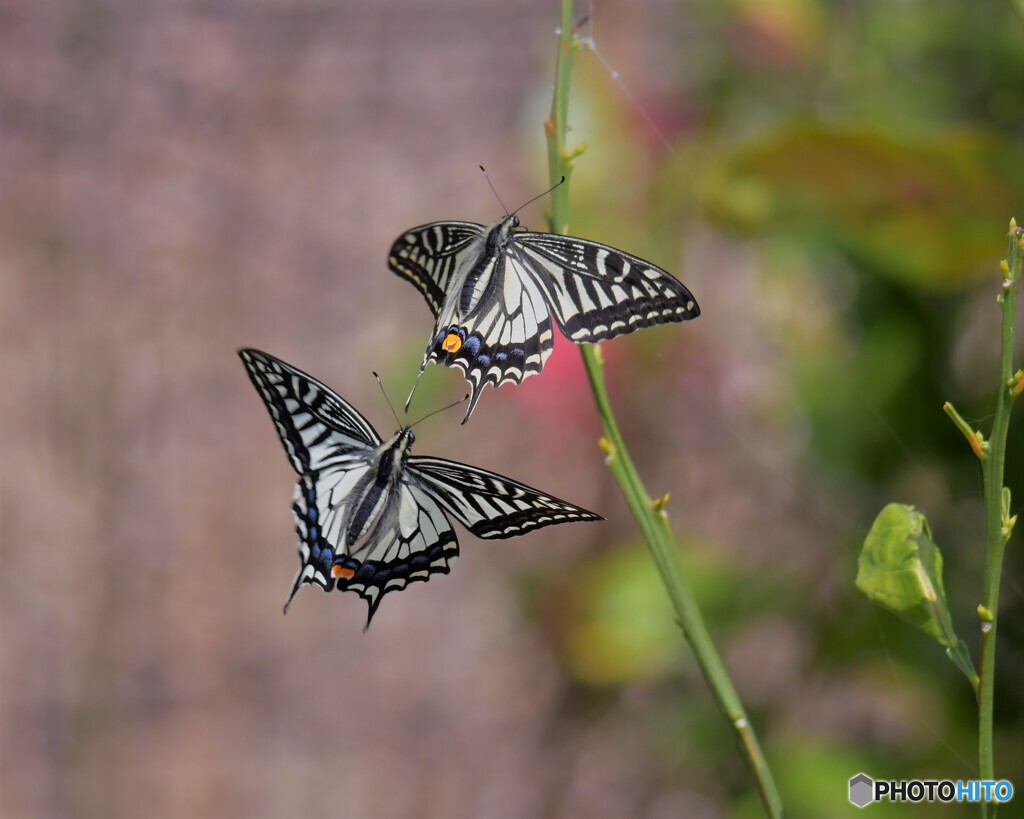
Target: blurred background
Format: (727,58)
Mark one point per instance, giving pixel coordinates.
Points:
(179,179)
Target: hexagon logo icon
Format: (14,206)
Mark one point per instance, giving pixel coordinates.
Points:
(862,790)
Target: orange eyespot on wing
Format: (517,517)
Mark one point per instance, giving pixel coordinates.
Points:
(452,343)
(342,572)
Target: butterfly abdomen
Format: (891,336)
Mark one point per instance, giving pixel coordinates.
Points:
(483,272)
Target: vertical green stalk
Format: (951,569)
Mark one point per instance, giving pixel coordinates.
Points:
(650,515)
(998,521)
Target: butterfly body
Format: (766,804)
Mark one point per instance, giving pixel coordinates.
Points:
(370,516)
(495,290)
(374,504)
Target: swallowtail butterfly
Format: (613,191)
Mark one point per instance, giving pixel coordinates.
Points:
(494,290)
(370,517)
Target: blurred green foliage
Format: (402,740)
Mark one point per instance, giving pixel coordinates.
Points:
(622,627)
(919,210)
(869,155)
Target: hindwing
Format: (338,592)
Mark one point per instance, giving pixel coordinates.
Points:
(506,338)
(413,542)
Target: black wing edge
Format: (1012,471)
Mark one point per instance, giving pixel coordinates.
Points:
(374,576)
(357,422)
(675,303)
(438,472)
(421,238)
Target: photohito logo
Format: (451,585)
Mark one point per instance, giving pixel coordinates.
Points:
(864,790)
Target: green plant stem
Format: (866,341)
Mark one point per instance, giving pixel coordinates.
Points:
(650,515)
(998,524)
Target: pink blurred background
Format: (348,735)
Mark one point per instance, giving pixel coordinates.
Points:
(181,179)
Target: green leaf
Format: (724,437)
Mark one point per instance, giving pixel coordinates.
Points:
(900,568)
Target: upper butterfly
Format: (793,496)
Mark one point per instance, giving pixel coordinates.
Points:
(494,289)
(371,517)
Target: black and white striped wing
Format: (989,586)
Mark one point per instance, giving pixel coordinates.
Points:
(317,427)
(412,542)
(488,504)
(506,338)
(429,256)
(597,292)
(332,446)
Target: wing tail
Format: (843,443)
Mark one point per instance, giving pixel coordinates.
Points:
(476,390)
(299,580)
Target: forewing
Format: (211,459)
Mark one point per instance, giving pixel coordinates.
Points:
(488,504)
(429,256)
(413,540)
(597,292)
(317,427)
(505,339)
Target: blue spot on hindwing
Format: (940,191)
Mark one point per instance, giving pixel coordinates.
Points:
(472,345)
(314,533)
(311,513)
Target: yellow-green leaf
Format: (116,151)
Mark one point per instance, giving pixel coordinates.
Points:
(900,568)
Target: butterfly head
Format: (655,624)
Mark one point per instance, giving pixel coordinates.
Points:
(403,441)
(499,235)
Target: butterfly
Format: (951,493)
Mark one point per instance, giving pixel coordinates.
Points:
(372,518)
(494,290)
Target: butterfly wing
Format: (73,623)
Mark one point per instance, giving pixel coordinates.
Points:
(430,255)
(316,425)
(488,504)
(505,338)
(333,448)
(597,292)
(412,541)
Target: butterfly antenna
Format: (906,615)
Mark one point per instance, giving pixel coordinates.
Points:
(488,178)
(384,392)
(435,412)
(538,196)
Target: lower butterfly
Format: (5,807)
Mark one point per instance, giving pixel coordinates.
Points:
(372,518)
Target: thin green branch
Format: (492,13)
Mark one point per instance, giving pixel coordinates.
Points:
(974,437)
(650,515)
(998,522)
